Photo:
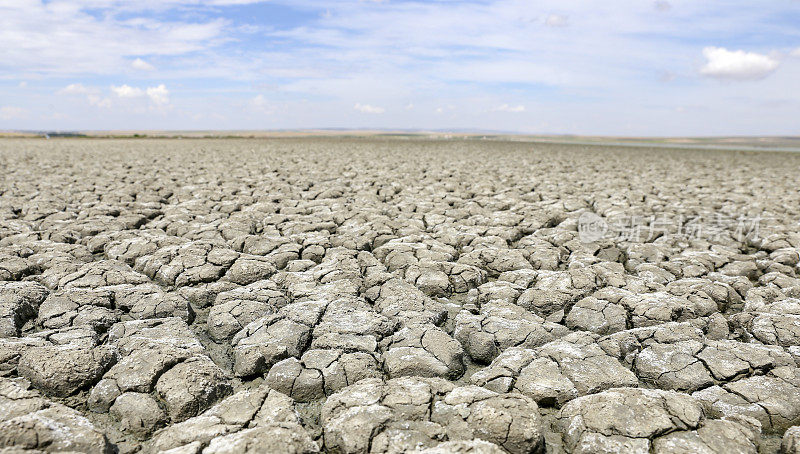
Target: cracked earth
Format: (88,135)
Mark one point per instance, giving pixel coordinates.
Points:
(389,295)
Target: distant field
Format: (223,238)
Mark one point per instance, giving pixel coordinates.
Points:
(779,143)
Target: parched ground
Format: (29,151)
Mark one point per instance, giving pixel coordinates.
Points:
(396,295)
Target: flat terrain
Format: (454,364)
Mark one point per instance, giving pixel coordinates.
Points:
(379,294)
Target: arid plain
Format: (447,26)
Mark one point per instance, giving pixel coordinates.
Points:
(354,295)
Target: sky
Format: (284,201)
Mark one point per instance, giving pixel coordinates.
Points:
(612,67)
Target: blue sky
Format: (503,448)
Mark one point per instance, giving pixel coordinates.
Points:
(636,67)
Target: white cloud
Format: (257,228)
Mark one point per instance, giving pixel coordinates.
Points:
(261,104)
(10,112)
(259,101)
(159,94)
(366,108)
(738,65)
(556,20)
(796,52)
(99,101)
(142,65)
(507,108)
(47,36)
(126,91)
(92,94)
(76,89)
(22,84)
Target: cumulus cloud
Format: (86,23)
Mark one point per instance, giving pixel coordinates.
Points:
(75,89)
(508,108)
(258,101)
(99,101)
(366,108)
(737,65)
(142,65)
(261,104)
(92,94)
(556,20)
(126,91)
(159,94)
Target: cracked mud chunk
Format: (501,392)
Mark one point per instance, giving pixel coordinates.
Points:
(598,316)
(431,281)
(101,274)
(338,264)
(149,351)
(625,419)
(499,290)
(165,334)
(14,268)
(29,421)
(258,407)
(138,413)
(772,329)
(203,295)
(263,291)
(137,371)
(78,307)
(712,437)
(424,351)
(248,269)
(496,260)
(127,246)
(626,344)
(405,303)
(230,314)
(724,295)
(61,370)
(790,444)
(187,264)
(225,320)
(691,365)
(660,307)
(150,302)
(191,386)
(463,447)
(300,286)
(679,357)
(412,412)
(556,372)
(400,253)
(19,302)
(319,373)
(351,324)
(773,399)
(12,348)
(264,342)
(553,291)
(285,437)
(501,325)
(673,366)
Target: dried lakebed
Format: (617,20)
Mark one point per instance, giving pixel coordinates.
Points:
(388,295)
